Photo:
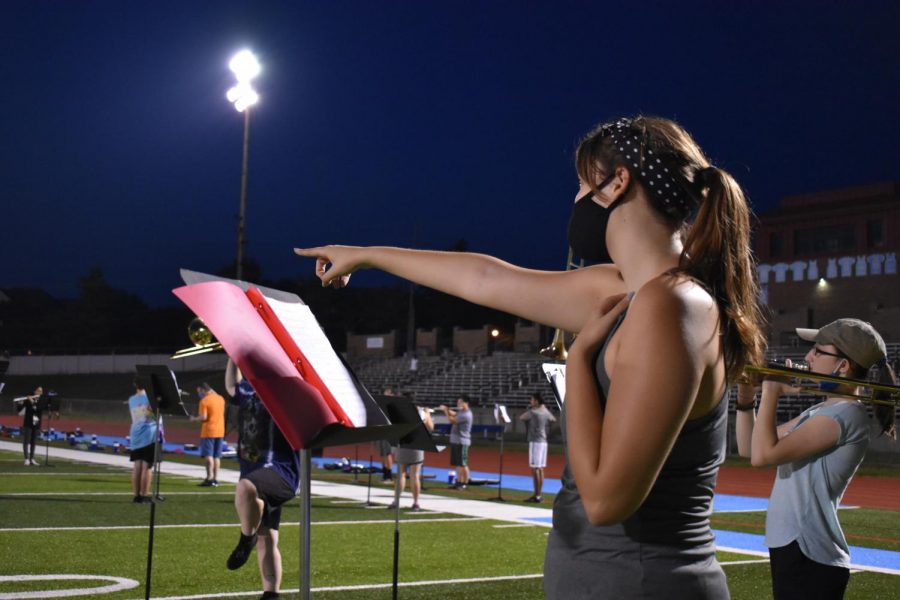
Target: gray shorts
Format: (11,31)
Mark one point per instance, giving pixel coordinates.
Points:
(408,456)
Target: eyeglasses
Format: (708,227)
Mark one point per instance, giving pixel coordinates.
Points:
(818,352)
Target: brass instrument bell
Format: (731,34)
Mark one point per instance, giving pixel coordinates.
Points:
(202,338)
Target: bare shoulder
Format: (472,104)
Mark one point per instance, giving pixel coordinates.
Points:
(671,295)
(673,307)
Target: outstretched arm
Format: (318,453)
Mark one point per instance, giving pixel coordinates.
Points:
(559,299)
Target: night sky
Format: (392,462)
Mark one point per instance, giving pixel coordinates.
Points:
(401,123)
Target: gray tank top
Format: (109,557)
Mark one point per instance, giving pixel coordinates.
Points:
(666,548)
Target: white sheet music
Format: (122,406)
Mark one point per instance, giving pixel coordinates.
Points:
(302,326)
(556,375)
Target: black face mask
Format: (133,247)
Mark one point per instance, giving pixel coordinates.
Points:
(587,227)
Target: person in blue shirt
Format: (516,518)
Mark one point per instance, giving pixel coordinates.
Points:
(270,477)
(143,443)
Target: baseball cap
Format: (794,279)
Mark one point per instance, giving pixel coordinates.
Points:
(856,339)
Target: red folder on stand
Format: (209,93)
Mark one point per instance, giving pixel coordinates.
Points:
(281,350)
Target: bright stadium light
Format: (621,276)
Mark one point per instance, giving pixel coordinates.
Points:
(245,68)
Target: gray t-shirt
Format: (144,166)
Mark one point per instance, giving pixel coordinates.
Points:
(538,423)
(803,505)
(461,431)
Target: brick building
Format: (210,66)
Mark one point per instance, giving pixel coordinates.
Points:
(831,254)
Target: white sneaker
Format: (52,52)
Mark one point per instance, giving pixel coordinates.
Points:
(27,463)
(35,463)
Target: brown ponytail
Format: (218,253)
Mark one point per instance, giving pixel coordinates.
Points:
(717,252)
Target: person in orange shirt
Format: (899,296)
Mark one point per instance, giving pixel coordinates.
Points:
(211,412)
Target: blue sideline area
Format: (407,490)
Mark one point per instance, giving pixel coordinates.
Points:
(869,557)
(865,557)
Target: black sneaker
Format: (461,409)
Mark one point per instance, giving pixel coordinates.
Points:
(214,483)
(206,483)
(138,500)
(242,551)
(269,596)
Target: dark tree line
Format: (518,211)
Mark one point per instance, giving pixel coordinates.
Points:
(105,319)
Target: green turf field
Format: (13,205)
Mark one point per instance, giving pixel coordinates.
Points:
(77,520)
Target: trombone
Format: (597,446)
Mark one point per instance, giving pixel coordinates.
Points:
(809,383)
(203,339)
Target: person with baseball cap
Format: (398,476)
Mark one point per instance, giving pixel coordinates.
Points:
(817,453)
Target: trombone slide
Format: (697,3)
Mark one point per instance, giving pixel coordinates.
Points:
(872,392)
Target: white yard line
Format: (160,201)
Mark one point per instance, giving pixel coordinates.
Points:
(209,525)
(351,588)
(377,495)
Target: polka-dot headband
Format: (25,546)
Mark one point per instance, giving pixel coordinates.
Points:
(654,171)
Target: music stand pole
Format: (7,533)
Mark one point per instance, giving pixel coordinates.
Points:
(500,497)
(47,441)
(369,482)
(157,454)
(397,493)
(305,522)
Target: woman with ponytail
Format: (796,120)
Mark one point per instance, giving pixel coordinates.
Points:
(817,453)
(662,332)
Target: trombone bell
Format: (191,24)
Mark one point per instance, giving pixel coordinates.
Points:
(202,338)
(557,349)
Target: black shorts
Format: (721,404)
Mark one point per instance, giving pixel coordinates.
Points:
(273,491)
(145,453)
(459,455)
(794,575)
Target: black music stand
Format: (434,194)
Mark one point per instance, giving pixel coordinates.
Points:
(400,409)
(49,402)
(276,388)
(502,419)
(555,373)
(164,396)
(4,367)
(394,427)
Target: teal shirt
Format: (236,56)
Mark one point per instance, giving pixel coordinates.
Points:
(143,425)
(807,492)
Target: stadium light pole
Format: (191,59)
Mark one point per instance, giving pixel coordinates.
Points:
(245,68)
